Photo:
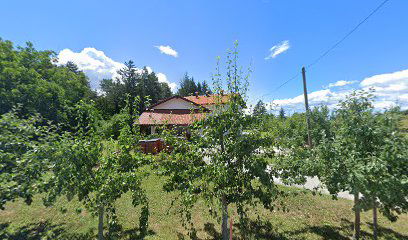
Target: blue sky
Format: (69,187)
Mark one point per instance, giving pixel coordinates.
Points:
(100,35)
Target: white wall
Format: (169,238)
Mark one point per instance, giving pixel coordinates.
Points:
(176,103)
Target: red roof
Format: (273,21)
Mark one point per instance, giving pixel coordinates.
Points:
(181,116)
(169,118)
(208,100)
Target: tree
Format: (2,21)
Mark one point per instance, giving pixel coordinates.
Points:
(289,137)
(133,82)
(24,151)
(30,78)
(113,98)
(205,88)
(282,113)
(72,67)
(165,91)
(363,153)
(221,163)
(97,172)
(320,119)
(259,109)
(188,87)
(386,185)
(153,90)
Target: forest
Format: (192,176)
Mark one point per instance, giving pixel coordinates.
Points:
(71,165)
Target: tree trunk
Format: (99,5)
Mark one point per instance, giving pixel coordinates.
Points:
(230,233)
(356,216)
(100,224)
(224,226)
(375,229)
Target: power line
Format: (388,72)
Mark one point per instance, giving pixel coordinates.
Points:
(348,34)
(333,47)
(283,84)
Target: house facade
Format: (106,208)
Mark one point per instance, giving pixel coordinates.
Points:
(179,112)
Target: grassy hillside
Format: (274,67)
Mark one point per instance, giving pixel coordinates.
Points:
(309,217)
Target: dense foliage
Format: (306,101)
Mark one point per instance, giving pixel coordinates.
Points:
(223,162)
(31,78)
(259,109)
(59,138)
(25,147)
(133,82)
(364,152)
(97,171)
(189,87)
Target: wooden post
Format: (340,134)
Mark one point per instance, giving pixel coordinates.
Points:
(309,138)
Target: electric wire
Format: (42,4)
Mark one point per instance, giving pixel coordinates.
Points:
(324,54)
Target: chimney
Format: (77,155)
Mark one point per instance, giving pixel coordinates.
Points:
(222,92)
(207,93)
(196,94)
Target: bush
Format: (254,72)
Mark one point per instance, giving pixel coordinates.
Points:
(112,126)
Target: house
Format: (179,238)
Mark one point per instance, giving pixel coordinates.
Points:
(179,112)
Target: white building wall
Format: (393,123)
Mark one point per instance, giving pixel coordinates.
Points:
(176,103)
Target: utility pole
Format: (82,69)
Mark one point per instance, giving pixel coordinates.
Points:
(309,138)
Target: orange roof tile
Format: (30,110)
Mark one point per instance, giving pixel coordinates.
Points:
(161,118)
(208,100)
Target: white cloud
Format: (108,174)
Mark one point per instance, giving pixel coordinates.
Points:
(163,78)
(316,98)
(386,79)
(391,89)
(384,105)
(340,83)
(403,97)
(94,63)
(278,49)
(97,66)
(167,50)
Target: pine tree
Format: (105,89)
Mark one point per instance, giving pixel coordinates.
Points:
(259,109)
(188,87)
(135,83)
(282,113)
